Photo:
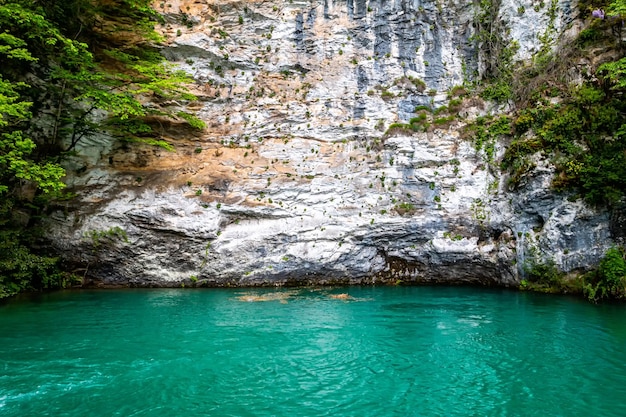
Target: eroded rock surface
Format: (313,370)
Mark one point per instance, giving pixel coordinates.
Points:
(294,179)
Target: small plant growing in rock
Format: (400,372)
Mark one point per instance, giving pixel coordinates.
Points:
(455,104)
(450,236)
(439,110)
(404,208)
(457,91)
(443,121)
(386,95)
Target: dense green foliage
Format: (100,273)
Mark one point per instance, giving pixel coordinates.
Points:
(606,283)
(581,127)
(609,281)
(62,64)
(584,136)
(543,275)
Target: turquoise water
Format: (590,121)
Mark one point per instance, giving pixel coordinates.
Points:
(392,351)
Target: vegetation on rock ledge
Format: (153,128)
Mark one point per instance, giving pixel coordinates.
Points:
(606,283)
(576,121)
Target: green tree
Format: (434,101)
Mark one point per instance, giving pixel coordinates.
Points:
(62,64)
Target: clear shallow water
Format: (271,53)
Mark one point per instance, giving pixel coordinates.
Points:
(391,351)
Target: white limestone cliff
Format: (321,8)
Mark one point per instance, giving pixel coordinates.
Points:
(294,180)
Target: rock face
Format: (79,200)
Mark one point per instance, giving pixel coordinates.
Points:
(294,179)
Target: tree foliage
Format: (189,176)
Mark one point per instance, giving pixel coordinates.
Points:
(63,64)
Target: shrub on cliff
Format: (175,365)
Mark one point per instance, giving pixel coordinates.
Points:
(609,281)
(544,273)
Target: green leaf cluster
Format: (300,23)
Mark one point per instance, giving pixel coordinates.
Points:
(484,132)
(24,270)
(609,281)
(585,135)
(63,65)
(543,273)
(617,8)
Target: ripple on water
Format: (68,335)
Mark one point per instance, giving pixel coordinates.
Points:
(371,352)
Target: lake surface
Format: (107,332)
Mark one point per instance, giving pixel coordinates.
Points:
(386,351)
